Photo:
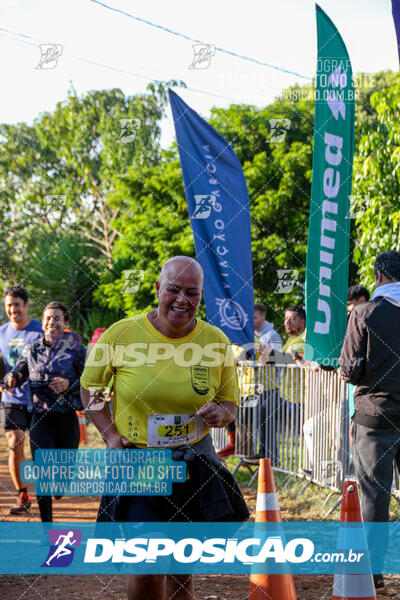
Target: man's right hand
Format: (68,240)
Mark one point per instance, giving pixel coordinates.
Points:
(115,441)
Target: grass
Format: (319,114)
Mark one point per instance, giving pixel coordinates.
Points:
(309,506)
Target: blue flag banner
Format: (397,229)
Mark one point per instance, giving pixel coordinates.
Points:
(396,19)
(219,212)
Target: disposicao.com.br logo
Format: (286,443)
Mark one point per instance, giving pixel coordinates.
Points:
(215,548)
(193,550)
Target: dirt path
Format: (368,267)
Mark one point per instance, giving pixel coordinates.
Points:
(108,587)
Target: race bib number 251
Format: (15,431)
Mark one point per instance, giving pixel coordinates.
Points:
(173,430)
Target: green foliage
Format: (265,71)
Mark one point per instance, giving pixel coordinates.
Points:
(64,269)
(154,225)
(56,174)
(377,179)
(123,205)
(278,175)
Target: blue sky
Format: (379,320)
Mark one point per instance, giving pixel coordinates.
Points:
(280,32)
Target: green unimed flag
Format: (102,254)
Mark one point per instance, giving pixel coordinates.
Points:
(329,226)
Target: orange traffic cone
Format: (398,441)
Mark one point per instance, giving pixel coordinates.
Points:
(82,427)
(263,586)
(345,586)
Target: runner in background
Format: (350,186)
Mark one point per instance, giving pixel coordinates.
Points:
(178,388)
(14,335)
(53,364)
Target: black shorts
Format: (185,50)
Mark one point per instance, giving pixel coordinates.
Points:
(180,506)
(15,416)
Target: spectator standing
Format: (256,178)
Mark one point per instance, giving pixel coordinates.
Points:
(14,335)
(357,295)
(370,360)
(295,325)
(269,338)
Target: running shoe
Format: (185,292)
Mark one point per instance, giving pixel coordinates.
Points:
(23,504)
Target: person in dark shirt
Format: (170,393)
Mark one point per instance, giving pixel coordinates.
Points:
(53,365)
(370,361)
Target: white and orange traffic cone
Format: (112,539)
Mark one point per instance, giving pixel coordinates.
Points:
(348,586)
(82,427)
(274,586)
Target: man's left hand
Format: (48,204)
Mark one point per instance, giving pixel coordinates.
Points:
(216,415)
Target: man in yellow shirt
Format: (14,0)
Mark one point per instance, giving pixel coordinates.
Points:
(295,325)
(174,378)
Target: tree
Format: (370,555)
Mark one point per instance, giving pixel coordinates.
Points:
(154,225)
(65,269)
(57,174)
(377,181)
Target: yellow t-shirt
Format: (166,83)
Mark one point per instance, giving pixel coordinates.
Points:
(157,375)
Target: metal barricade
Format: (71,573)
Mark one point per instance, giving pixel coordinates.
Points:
(219,437)
(326,428)
(294,416)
